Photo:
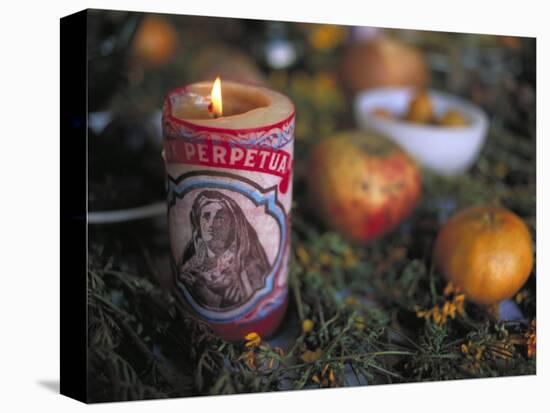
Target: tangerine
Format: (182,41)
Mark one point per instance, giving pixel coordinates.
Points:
(155,41)
(487,251)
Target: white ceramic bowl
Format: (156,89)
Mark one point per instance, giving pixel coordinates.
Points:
(445,150)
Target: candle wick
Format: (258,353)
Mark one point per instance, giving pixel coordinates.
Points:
(212,111)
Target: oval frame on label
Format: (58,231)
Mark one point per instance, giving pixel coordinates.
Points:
(235,187)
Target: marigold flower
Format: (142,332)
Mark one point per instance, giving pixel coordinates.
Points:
(309,356)
(437,316)
(326,377)
(303,255)
(450,288)
(501,349)
(473,353)
(351,301)
(253,339)
(479,352)
(452,311)
(350,260)
(531,336)
(249,360)
(360,323)
(325,259)
(307,326)
(325,37)
(475,367)
(440,315)
(446,310)
(331,376)
(459,302)
(422,313)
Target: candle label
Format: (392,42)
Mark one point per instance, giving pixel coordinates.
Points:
(227,155)
(228,210)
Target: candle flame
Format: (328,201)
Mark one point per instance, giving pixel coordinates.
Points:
(216,96)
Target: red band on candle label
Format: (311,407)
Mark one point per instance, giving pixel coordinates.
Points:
(230,156)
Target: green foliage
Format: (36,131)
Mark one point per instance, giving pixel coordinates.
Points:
(363,300)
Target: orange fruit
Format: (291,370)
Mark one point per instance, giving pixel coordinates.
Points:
(452,118)
(420,108)
(362,184)
(382,62)
(487,251)
(155,41)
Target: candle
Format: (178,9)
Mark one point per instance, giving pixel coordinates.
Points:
(228,152)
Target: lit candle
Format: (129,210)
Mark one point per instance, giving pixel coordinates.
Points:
(228,153)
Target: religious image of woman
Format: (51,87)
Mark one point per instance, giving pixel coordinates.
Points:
(223,263)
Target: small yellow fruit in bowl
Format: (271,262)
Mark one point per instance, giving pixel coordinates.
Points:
(452,118)
(420,108)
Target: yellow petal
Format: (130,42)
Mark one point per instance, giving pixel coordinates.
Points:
(324,258)
(303,255)
(251,336)
(309,356)
(351,300)
(307,325)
